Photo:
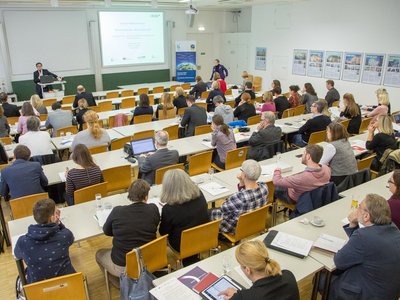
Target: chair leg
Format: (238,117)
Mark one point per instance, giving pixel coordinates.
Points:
(86,287)
(107,285)
(274,212)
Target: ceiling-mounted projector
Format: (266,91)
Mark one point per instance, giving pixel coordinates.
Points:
(192,10)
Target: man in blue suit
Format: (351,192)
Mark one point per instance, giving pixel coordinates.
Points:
(22,177)
(369,264)
(36,78)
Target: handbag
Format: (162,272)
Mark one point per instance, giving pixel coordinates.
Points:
(137,289)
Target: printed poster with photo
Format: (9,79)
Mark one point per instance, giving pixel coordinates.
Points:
(352,66)
(333,64)
(373,68)
(299,62)
(315,63)
(392,70)
(185,52)
(261,58)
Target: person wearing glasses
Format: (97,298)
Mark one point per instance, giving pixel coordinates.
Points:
(394,200)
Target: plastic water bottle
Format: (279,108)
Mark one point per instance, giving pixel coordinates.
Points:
(99,205)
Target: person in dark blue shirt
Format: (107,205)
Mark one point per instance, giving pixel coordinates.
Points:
(223,72)
(144,107)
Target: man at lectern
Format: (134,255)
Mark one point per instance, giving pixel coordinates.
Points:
(37,77)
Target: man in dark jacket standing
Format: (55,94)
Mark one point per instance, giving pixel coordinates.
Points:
(223,72)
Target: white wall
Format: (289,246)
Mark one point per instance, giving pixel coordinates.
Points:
(357,25)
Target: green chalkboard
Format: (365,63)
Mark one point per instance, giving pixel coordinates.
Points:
(111,81)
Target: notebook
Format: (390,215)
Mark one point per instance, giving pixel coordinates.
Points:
(288,243)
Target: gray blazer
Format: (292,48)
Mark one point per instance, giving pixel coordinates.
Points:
(58,119)
(193,116)
(161,158)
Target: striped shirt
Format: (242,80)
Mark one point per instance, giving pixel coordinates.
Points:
(80,178)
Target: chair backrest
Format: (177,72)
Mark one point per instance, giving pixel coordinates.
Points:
(202,104)
(68,99)
(366,162)
(65,287)
(257,83)
(345,123)
(271,190)
(364,125)
(98,149)
(120,143)
(180,112)
(158,90)
(199,239)
(161,171)
(128,102)
(287,113)
(127,93)
(154,256)
(88,193)
(299,110)
(67,108)
(151,99)
(251,223)
(64,130)
(235,158)
(22,207)
(122,120)
(143,91)
(317,137)
(95,108)
(104,106)
(6,140)
(142,119)
(254,120)
(49,101)
(110,95)
(204,95)
(143,135)
(173,87)
(168,114)
(186,86)
(335,103)
(118,178)
(173,132)
(200,163)
(202,129)
(230,103)
(228,92)
(3,166)
(12,120)
(258,99)
(43,117)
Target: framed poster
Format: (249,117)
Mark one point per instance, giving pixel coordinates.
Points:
(261,58)
(333,64)
(373,68)
(299,62)
(352,66)
(185,52)
(315,63)
(392,70)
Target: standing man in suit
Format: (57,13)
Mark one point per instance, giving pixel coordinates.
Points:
(36,78)
(10,110)
(369,263)
(163,157)
(82,94)
(194,116)
(223,72)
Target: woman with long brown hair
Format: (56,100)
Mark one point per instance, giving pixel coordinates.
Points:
(26,112)
(351,111)
(222,138)
(309,96)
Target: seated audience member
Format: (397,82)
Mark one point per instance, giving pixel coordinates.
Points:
(26,112)
(215,91)
(381,141)
(290,188)
(222,109)
(318,122)
(223,139)
(58,118)
(338,154)
(309,96)
(82,94)
(246,78)
(267,134)
(184,207)
(22,177)
(45,248)
(269,104)
(144,107)
(38,142)
(94,135)
(131,226)
(179,98)
(351,111)
(281,102)
(222,83)
(163,157)
(4,126)
(194,116)
(248,88)
(325,109)
(394,200)
(368,265)
(85,174)
(275,83)
(245,109)
(37,104)
(294,99)
(383,108)
(198,88)
(164,106)
(251,195)
(80,112)
(10,110)
(3,156)
(332,95)
(269,281)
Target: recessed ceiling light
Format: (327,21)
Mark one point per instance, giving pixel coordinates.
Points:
(201,28)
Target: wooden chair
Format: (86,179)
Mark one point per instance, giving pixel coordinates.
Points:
(204,95)
(67,108)
(22,207)
(118,178)
(158,90)
(43,117)
(198,239)
(249,223)
(228,92)
(230,103)
(6,140)
(169,114)
(88,193)
(180,112)
(335,103)
(143,135)
(95,108)
(317,137)
(365,163)
(151,99)
(345,123)
(104,106)
(364,125)
(287,113)
(127,93)
(287,94)
(142,119)
(254,120)
(72,286)
(202,129)
(161,171)
(111,121)
(73,129)
(49,101)
(119,143)
(234,159)
(172,88)
(12,120)
(258,99)
(128,102)
(111,95)
(200,163)
(68,99)
(173,132)
(98,149)
(3,166)
(257,83)
(186,86)
(202,104)
(143,91)
(299,110)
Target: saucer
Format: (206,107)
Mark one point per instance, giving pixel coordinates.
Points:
(322,224)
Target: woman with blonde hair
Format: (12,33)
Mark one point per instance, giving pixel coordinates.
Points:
(351,111)
(94,135)
(383,108)
(179,98)
(269,104)
(165,105)
(222,83)
(37,104)
(269,281)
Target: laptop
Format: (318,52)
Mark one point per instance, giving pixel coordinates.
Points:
(47,79)
(143,146)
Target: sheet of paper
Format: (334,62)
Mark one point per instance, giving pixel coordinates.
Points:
(102,215)
(292,243)
(268,170)
(358,144)
(173,289)
(14,240)
(242,136)
(396,126)
(240,272)
(66,141)
(329,242)
(62,176)
(156,201)
(207,144)
(213,188)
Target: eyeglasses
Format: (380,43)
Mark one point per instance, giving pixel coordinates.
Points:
(390,181)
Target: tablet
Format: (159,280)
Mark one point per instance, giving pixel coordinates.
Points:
(218,286)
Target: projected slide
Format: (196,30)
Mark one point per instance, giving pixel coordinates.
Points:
(129,38)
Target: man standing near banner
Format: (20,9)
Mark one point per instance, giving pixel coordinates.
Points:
(223,72)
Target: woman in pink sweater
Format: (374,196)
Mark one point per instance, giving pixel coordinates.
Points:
(383,105)
(269,104)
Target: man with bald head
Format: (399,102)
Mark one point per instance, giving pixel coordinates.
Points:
(82,94)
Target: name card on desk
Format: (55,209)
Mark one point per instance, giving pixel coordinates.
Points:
(213,188)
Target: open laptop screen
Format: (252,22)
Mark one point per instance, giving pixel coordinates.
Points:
(142,146)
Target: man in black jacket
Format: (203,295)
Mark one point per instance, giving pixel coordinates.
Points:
(36,78)
(248,88)
(198,88)
(194,116)
(10,110)
(281,102)
(82,94)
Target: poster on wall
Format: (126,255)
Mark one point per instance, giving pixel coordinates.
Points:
(315,63)
(333,64)
(392,70)
(352,66)
(373,68)
(261,58)
(185,61)
(299,62)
